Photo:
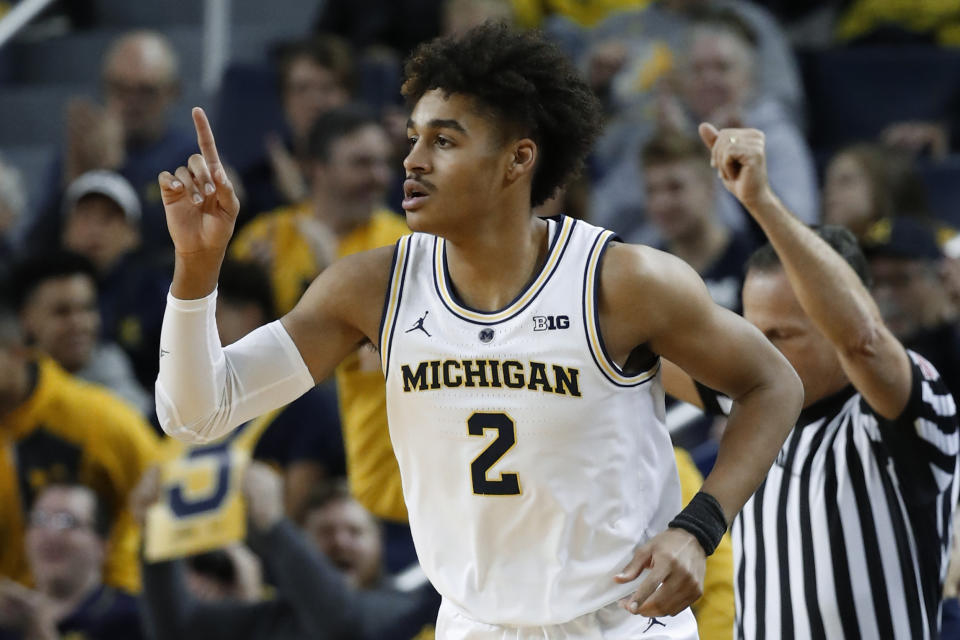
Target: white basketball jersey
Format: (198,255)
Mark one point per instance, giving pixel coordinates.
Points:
(532,465)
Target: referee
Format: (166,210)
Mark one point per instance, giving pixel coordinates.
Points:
(848,535)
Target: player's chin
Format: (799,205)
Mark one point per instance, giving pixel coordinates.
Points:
(422,220)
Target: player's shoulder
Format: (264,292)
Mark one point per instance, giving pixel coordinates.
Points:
(355,281)
(630,267)
(365,265)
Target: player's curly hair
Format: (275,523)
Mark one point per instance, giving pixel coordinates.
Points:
(525,82)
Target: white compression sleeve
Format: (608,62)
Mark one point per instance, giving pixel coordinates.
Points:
(203,390)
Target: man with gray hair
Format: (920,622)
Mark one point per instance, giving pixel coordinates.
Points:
(130,134)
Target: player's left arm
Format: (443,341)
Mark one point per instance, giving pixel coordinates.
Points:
(650,297)
(828,289)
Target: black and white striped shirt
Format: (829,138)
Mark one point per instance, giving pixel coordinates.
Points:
(849,534)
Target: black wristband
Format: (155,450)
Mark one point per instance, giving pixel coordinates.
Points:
(703,518)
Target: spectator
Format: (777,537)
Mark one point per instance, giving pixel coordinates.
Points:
(233,572)
(316,75)
(130,134)
(459,16)
(66,544)
(347,534)
(904,261)
(627,53)
(865,182)
(680,186)
(56,298)
(351,538)
(12,205)
(348,157)
(716,82)
(394,26)
(313,600)
(349,171)
(102,219)
(303,439)
(56,428)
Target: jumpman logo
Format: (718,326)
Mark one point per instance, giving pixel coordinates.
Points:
(419,325)
(653,622)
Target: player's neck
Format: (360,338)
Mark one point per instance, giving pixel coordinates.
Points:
(496,263)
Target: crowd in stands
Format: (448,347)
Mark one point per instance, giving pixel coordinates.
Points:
(295,526)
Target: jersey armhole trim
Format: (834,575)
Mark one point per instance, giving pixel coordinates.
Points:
(591,320)
(391,304)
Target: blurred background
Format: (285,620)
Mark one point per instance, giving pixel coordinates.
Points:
(111,530)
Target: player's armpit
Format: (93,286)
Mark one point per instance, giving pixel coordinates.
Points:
(340,310)
(679,384)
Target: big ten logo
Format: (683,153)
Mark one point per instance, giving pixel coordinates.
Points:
(550,323)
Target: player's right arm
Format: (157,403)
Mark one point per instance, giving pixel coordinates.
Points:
(204,390)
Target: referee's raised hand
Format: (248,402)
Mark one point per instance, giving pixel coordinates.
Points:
(199,200)
(739,156)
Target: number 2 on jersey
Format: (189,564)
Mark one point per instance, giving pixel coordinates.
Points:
(509,483)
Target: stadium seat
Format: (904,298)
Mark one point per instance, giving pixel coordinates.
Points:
(283,16)
(248,108)
(853,94)
(254,44)
(35,114)
(127,13)
(943,186)
(34,162)
(70,58)
(77,57)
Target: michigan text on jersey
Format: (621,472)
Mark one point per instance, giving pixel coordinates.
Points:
(512,374)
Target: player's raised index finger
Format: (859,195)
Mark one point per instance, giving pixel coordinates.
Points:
(208,147)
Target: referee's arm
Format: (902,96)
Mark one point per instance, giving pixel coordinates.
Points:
(827,288)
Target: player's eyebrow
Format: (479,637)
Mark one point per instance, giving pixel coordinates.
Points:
(439,123)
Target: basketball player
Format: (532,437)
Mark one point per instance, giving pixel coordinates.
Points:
(524,403)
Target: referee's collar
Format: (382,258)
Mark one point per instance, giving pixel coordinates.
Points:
(826,406)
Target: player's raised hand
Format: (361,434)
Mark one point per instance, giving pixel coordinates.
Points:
(740,159)
(199,200)
(676,564)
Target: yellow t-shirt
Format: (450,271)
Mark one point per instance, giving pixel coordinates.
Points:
(940,18)
(371,466)
(72,431)
(714,609)
(295,266)
(530,13)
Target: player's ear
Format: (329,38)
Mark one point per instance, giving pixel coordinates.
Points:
(523,160)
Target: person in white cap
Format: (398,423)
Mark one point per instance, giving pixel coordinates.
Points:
(101,221)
